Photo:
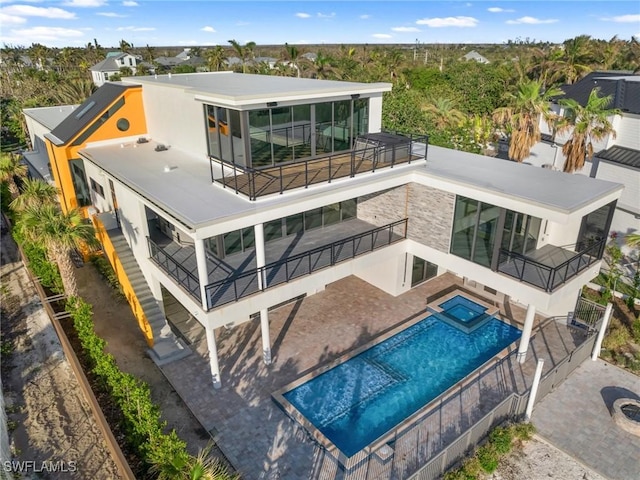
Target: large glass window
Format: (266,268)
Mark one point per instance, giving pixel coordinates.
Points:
(486,234)
(260,135)
(235,130)
(273,230)
(324,127)
(595,227)
(313,218)
(80,184)
(301,131)
(520,233)
(360,116)
(295,224)
(422,271)
(464,225)
(331,214)
(212,129)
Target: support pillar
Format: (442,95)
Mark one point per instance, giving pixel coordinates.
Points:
(266,339)
(203,271)
(526,333)
(603,329)
(258,231)
(213,357)
(534,390)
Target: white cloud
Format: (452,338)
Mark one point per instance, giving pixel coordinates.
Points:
(111,15)
(531,21)
(129,3)
(623,19)
(405,29)
(11,19)
(30,11)
(326,15)
(449,22)
(302,15)
(382,35)
(500,10)
(135,29)
(208,29)
(365,17)
(84,3)
(47,34)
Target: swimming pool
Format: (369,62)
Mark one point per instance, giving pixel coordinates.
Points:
(462,308)
(358,401)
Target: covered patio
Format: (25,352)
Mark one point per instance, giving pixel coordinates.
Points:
(263,443)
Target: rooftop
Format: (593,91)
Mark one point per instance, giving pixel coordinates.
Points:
(623,87)
(621,155)
(238,88)
(184,186)
(50,117)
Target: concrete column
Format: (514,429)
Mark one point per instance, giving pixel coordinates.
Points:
(213,357)
(266,339)
(203,271)
(260,253)
(603,329)
(534,390)
(526,333)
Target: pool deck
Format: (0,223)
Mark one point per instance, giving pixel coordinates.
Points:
(263,443)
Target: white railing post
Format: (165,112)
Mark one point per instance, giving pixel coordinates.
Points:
(534,391)
(603,329)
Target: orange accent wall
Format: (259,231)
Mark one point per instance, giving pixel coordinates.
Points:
(132,110)
(112,255)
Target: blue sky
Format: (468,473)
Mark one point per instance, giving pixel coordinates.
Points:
(165,22)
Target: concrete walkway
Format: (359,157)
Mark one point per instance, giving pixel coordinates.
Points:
(576,418)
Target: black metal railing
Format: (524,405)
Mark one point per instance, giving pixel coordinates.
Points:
(235,287)
(544,276)
(174,269)
(321,169)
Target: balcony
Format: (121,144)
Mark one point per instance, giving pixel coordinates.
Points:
(289,258)
(549,267)
(371,152)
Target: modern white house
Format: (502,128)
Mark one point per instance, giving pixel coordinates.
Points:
(617,157)
(234,193)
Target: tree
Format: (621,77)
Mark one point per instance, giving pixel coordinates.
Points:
(75,90)
(443,112)
(575,61)
(10,169)
(215,58)
(322,67)
(125,46)
(34,192)
(633,240)
(588,123)
(60,233)
(244,52)
(522,116)
(290,56)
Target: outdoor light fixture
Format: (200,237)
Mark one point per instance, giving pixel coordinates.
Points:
(272,104)
(355,96)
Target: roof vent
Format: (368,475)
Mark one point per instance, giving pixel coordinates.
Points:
(142,140)
(168,168)
(161,148)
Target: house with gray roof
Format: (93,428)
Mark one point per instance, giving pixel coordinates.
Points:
(111,65)
(475,56)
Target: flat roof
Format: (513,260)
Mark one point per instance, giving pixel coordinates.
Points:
(179,182)
(50,117)
(238,88)
(557,190)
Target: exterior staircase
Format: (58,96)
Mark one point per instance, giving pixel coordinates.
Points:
(166,346)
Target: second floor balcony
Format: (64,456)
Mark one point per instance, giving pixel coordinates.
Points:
(236,276)
(371,152)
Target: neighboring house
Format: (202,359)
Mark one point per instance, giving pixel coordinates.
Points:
(617,157)
(234,193)
(102,71)
(473,55)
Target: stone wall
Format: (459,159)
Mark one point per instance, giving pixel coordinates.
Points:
(430,216)
(382,208)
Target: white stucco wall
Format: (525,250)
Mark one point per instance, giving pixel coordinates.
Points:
(628,131)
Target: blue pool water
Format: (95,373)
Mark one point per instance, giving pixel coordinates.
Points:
(358,401)
(462,308)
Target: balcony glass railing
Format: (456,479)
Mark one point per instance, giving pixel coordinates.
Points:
(544,276)
(236,287)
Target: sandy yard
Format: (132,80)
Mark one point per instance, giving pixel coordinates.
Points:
(48,416)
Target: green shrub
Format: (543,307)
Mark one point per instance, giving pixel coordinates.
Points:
(501,439)
(635,330)
(46,271)
(488,457)
(523,431)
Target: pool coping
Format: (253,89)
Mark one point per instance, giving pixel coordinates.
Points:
(380,445)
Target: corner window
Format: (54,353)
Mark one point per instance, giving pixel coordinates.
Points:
(96,187)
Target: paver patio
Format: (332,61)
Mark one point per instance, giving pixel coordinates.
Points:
(576,418)
(262,442)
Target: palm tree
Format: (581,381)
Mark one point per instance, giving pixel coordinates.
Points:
(633,240)
(575,61)
(60,233)
(589,123)
(522,116)
(75,90)
(322,67)
(215,58)
(125,46)
(34,192)
(244,52)
(443,112)
(10,169)
(291,56)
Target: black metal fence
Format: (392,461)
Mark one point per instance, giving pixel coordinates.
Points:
(544,276)
(234,288)
(174,269)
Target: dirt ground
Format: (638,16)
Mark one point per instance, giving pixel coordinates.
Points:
(115,323)
(49,420)
(538,460)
